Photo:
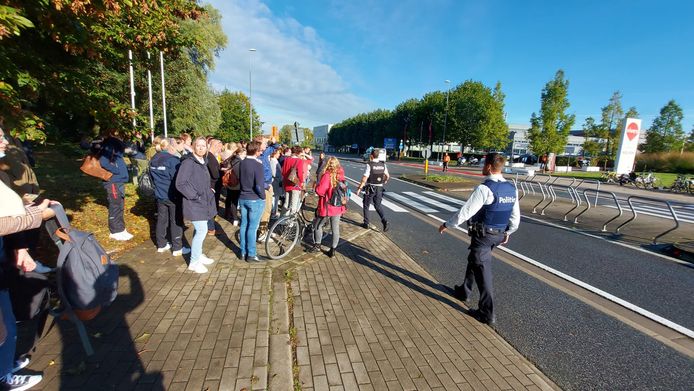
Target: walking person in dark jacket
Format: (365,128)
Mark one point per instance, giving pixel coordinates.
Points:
(193,182)
(251,200)
(112,161)
(163,168)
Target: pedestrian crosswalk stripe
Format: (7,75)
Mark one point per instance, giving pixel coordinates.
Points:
(445,198)
(412,203)
(430,201)
(395,208)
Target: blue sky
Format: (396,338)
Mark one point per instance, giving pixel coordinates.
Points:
(322,61)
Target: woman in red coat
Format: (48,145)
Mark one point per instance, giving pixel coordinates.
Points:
(327,183)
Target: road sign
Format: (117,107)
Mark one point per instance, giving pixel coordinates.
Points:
(628,145)
(389,143)
(427,153)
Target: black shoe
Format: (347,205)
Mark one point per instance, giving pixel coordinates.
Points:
(252,259)
(365,225)
(385,226)
(459,293)
(482,318)
(331,252)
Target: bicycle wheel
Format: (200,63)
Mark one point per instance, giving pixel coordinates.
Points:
(307,210)
(282,237)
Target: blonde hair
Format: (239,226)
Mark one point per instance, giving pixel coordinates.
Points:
(333,168)
(157,143)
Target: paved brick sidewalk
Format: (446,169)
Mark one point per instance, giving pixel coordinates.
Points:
(370,318)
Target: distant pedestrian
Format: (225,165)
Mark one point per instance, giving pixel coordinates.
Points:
(493,214)
(112,161)
(375,176)
(193,182)
(332,176)
(251,200)
(446,160)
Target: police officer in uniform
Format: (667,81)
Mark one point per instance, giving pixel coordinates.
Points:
(375,176)
(493,214)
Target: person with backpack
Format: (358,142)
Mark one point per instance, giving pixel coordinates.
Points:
(111,160)
(231,173)
(163,169)
(194,184)
(332,203)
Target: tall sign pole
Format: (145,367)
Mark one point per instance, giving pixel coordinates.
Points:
(163,92)
(132,86)
(628,145)
(151,108)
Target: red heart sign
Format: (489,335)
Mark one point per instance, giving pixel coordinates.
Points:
(632,131)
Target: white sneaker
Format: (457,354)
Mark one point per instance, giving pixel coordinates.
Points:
(205,260)
(165,248)
(41,268)
(235,223)
(127,234)
(197,267)
(184,250)
(122,236)
(19,382)
(20,364)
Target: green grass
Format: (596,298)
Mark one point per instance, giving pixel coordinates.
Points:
(446,178)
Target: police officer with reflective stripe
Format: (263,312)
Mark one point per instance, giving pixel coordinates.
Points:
(375,176)
(493,214)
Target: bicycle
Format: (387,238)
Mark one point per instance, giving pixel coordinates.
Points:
(609,177)
(284,233)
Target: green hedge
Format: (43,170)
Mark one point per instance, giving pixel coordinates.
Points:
(666,162)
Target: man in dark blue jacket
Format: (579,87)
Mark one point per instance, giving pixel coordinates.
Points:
(112,161)
(267,148)
(163,169)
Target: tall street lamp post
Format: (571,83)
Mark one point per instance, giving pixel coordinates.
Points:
(445,117)
(250,94)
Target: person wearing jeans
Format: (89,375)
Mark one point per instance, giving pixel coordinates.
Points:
(293,189)
(251,200)
(193,182)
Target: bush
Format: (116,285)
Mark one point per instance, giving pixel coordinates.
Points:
(666,162)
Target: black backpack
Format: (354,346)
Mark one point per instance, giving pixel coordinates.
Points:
(145,184)
(341,193)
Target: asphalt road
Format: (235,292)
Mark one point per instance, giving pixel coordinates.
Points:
(576,345)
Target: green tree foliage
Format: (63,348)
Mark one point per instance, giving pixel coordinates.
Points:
(475,118)
(69,73)
(549,130)
(690,141)
(235,120)
(286,132)
(612,116)
(666,133)
(591,146)
(287,135)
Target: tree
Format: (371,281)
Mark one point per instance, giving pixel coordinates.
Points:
(549,130)
(235,120)
(591,147)
(666,134)
(689,147)
(287,135)
(286,132)
(478,116)
(611,117)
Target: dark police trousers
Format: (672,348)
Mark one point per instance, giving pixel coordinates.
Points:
(168,219)
(374,193)
(115,192)
(479,270)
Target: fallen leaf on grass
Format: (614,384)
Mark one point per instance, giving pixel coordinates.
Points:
(52,362)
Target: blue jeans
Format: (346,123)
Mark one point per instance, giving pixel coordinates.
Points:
(251,210)
(198,238)
(7,349)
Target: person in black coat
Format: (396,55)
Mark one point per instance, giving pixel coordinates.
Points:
(193,182)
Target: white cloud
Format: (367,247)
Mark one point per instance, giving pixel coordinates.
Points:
(292,81)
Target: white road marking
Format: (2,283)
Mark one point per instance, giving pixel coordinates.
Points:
(412,203)
(656,318)
(445,198)
(429,201)
(390,205)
